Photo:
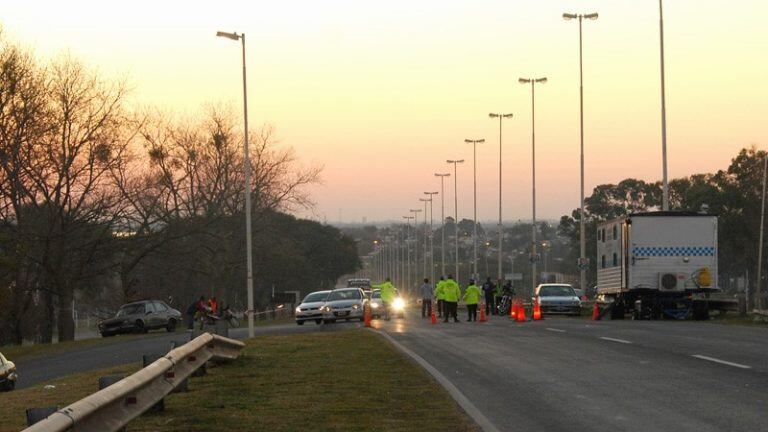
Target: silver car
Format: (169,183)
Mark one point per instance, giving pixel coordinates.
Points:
(558,299)
(141,316)
(344,303)
(8,375)
(309,309)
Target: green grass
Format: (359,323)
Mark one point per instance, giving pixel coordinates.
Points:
(352,380)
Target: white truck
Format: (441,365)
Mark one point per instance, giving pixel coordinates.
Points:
(653,264)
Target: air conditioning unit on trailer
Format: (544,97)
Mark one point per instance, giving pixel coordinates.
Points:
(672,281)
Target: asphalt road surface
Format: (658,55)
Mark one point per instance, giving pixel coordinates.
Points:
(41,369)
(565,374)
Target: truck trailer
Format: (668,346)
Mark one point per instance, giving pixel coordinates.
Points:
(657,264)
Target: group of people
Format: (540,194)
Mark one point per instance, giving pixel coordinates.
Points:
(200,309)
(447,294)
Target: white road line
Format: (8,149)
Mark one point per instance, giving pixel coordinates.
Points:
(712,359)
(555,330)
(615,340)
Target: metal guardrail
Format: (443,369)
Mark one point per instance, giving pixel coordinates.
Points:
(114,407)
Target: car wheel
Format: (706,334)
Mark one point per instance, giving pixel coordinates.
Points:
(318,321)
(299,322)
(171,327)
(107,334)
(9,385)
(140,327)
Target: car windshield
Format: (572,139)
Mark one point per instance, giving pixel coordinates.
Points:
(556,291)
(131,310)
(376,294)
(315,297)
(347,294)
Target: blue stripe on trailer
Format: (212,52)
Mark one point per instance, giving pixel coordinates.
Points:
(662,251)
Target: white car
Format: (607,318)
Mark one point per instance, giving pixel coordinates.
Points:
(558,299)
(344,303)
(377,305)
(310,308)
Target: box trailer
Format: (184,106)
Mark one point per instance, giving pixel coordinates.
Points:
(653,263)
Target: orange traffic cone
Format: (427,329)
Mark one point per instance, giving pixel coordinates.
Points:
(367,315)
(432,316)
(536,310)
(520,313)
(482,313)
(595,312)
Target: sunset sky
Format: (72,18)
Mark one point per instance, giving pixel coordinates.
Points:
(382,93)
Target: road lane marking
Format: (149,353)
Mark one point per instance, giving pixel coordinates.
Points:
(615,340)
(555,330)
(457,395)
(712,359)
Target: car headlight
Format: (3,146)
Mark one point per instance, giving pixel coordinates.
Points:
(355,307)
(398,303)
(298,309)
(325,308)
(374,305)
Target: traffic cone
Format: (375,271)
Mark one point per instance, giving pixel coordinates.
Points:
(520,317)
(367,315)
(432,316)
(536,310)
(482,313)
(595,312)
(513,310)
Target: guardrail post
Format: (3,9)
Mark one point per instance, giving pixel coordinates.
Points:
(35,415)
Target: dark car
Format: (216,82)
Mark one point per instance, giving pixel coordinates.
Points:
(140,317)
(8,374)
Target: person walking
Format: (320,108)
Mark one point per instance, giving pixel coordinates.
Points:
(440,297)
(388,294)
(489,289)
(498,294)
(426,299)
(451,295)
(471,298)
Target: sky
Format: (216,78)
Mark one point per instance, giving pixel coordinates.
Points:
(382,93)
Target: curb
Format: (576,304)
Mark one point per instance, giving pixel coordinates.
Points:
(455,393)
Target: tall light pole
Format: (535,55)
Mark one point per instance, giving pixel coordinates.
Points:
(501,224)
(474,230)
(408,249)
(582,224)
(247,169)
(665,195)
(534,255)
(759,290)
(456,210)
(431,238)
(426,233)
(442,224)
(416,239)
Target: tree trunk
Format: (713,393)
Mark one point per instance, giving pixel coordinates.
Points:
(66,325)
(46,327)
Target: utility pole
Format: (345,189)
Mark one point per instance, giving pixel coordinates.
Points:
(442,218)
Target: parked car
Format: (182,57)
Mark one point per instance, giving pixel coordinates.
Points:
(8,375)
(309,309)
(140,317)
(377,305)
(344,303)
(558,299)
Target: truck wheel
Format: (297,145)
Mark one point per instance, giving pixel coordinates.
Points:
(700,311)
(617,311)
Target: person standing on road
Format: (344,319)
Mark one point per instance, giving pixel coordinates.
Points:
(426,299)
(498,294)
(388,294)
(451,295)
(440,297)
(471,298)
(214,305)
(489,290)
(191,312)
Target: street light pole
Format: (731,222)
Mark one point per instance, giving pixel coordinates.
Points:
(582,222)
(474,182)
(665,196)
(501,224)
(247,169)
(442,217)
(759,290)
(408,248)
(431,238)
(456,210)
(416,239)
(534,256)
(426,229)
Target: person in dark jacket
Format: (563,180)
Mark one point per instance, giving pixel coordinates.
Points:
(488,290)
(191,311)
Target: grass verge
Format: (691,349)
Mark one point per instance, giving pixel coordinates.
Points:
(352,380)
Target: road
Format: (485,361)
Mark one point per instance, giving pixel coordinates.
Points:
(38,370)
(565,374)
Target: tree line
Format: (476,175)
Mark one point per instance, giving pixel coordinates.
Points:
(102,204)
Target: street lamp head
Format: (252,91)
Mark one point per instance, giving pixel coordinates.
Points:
(568,17)
(442,175)
(541,80)
(233,36)
(492,115)
(592,16)
(524,80)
